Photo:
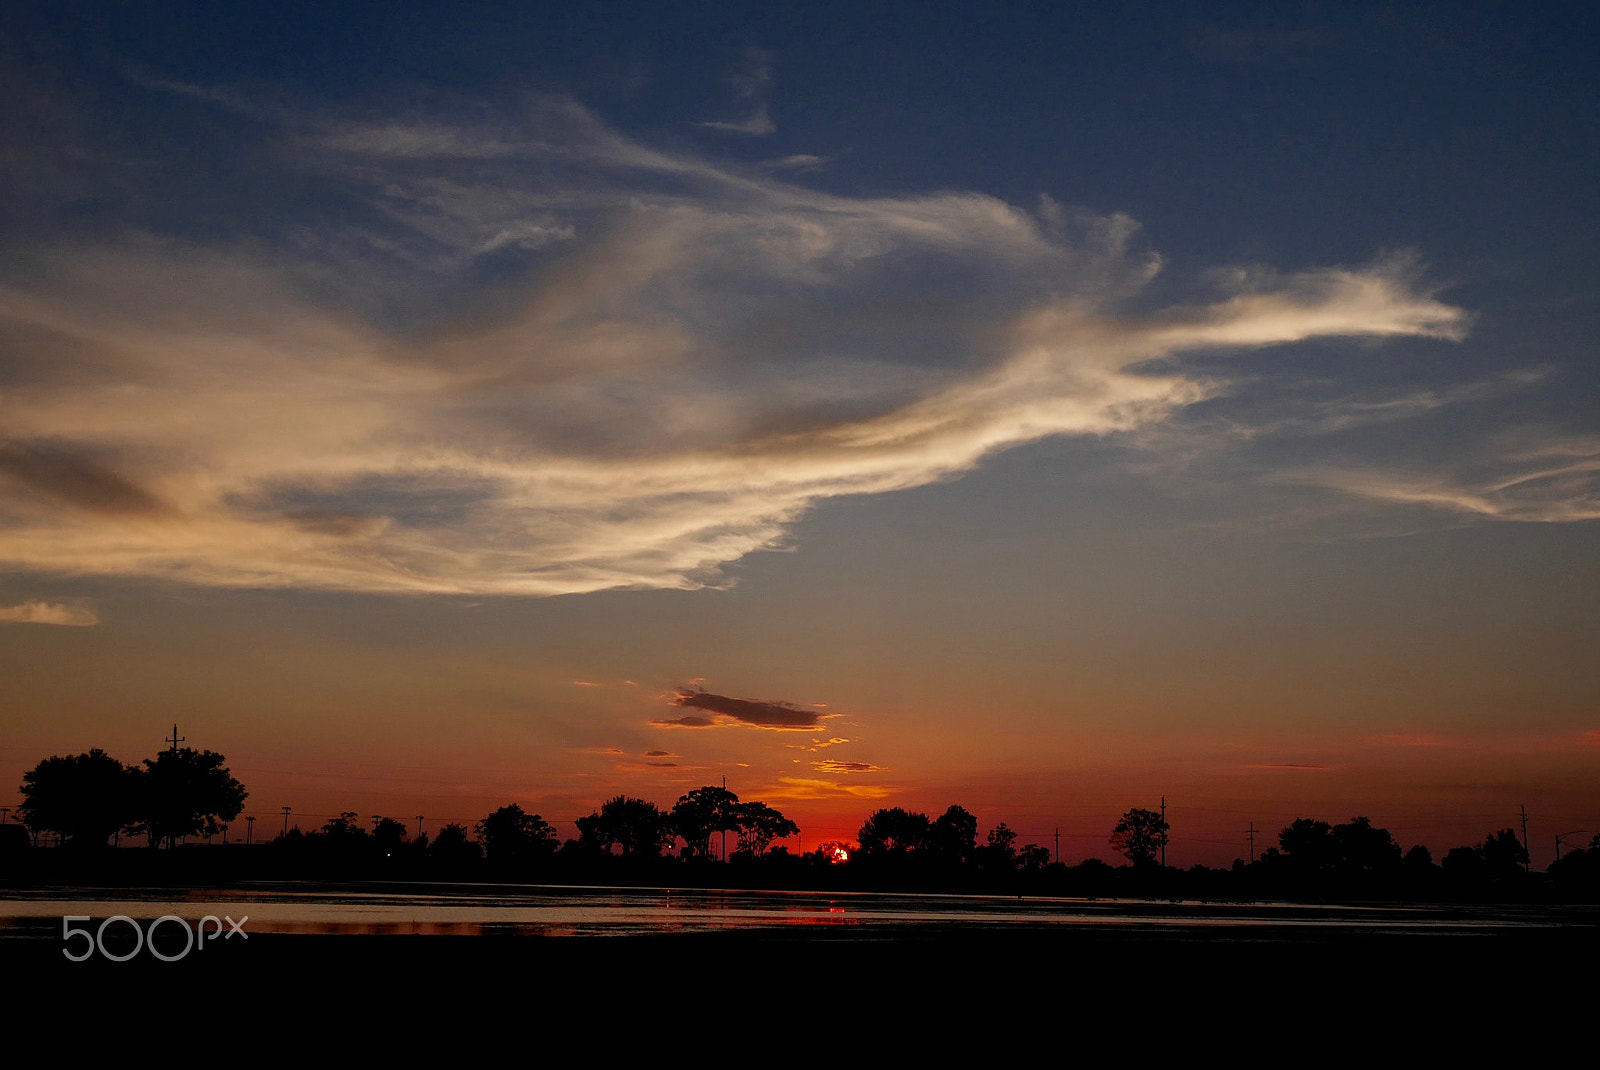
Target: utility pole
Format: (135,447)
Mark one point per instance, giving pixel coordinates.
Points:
(724,830)
(250,828)
(176,739)
(1058,845)
(286,821)
(1528,865)
(1251,832)
(5,814)
(419,826)
(1163,832)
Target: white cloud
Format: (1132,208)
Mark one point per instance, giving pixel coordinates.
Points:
(1554,481)
(687,360)
(48,613)
(800,161)
(750,85)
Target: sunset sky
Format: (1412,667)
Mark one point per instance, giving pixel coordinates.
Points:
(1037,407)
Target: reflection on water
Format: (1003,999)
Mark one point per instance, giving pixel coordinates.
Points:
(465,910)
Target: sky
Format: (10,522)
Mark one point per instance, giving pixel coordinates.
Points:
(1047,410)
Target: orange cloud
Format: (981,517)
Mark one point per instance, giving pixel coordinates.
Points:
(799,788)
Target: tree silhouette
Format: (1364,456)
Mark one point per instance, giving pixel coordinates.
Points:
(1418,859)
(700,813)
(388,835)
(1463,865)
(832,852)
(591,837)
(1309,845)
(1503,854)
(953,837)
(999,851)
(1353,849)
(510,835)
(893,833)
(186,792)
(1365,849)
(84,797)
(346,828)
(1140,835)
(759,824)
(1033,858)
(452,845)
(634,824)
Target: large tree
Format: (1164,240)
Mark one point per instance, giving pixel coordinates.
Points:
(1140,835)
(1355,847)
(185,792)
(953,835)
(1504,855)
(759,824)
(637,826)
(83,798)
(511,835)
(1309,845)
(700,813)
(1033,857)
(893,833)
(1365,848)
(388,834)
(452,845)
(999,851)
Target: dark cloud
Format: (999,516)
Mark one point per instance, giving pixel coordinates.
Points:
(831,766)
(659,754)
(69,477)
(750,711)
(663,765)
(684,722)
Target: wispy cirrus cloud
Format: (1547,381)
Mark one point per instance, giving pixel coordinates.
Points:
(49,613)
(1556,480)
(750,85)
(676,360)
(800,161)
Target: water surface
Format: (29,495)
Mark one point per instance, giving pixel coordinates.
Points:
(300,907)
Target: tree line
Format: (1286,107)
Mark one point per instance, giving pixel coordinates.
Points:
(89,799)
(512,838)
